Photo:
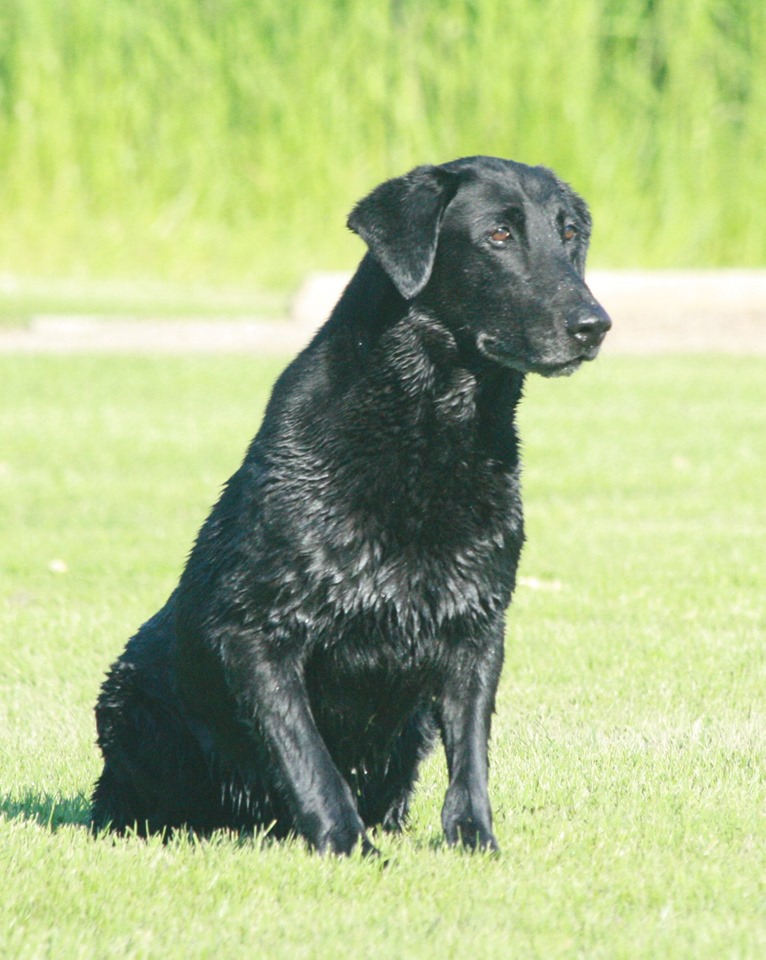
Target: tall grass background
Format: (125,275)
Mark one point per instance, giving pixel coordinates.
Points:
(225,140)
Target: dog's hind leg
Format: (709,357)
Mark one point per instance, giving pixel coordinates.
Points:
(117,805)
(155,776)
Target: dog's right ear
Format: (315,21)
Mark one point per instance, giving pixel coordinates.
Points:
(399,221)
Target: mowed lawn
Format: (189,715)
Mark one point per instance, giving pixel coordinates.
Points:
(629,747)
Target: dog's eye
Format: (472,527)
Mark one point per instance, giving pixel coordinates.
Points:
(500,235)
(570,231)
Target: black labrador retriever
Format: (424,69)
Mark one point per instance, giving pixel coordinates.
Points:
(344,601)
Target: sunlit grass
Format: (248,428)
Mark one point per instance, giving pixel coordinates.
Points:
(628,778)
(227,141)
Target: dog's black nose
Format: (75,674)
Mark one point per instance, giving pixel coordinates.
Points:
(590,326)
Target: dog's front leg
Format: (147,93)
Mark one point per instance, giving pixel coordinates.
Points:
(319,797)
(465,713)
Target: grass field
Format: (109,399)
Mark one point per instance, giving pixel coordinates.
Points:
(227,140)
(628,774)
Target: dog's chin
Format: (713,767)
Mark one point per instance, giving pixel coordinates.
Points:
(565,369)
(491,349)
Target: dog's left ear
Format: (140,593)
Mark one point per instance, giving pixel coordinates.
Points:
(399,221)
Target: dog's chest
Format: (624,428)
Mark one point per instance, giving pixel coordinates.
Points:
(399,503)
(409,546)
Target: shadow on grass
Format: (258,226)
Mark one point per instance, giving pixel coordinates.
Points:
(54,812)
(46,810)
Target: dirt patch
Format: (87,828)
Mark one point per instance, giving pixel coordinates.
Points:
(680,311)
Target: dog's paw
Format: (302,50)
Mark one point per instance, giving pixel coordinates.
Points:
(342,839)
(468,824)
(344,846)
(471,835)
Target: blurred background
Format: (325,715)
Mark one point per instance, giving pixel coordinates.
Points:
(224,141)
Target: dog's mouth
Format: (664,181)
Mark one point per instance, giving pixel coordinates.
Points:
(492,349)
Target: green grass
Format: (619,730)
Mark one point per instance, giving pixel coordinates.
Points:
(22,299)
(224,140)
(628,752)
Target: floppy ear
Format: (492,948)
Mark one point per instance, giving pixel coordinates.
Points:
(399,221)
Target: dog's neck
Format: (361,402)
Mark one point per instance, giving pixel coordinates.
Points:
(377,342)
(369,305)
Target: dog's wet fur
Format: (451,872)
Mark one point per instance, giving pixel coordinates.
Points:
(344,602)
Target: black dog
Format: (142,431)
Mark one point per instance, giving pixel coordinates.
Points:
(345,599)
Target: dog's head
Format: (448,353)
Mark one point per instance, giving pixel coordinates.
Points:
(496,250)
